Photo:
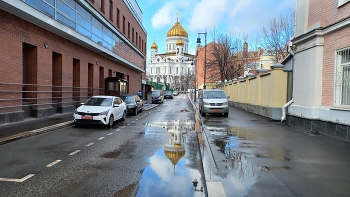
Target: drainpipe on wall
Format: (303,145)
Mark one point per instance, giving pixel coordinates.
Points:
(284,109)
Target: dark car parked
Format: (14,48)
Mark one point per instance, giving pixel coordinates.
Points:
(157,96)
(133,103)
(168,94)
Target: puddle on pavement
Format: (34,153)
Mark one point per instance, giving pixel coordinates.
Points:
(112,154)
(238,146)
(171,170)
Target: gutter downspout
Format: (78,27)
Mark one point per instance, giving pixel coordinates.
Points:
(284,109)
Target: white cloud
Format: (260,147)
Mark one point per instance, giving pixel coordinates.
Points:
(241,5)
(207,14)
(164,16)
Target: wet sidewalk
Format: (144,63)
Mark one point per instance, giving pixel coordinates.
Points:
(246,154)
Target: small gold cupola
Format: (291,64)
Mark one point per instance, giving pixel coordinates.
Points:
(180,42)
(154,46)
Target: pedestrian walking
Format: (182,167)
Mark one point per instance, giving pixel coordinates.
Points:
(139,93)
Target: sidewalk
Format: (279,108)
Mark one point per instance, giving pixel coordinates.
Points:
(33,126)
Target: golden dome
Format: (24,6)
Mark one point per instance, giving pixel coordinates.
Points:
(180,42)
(177,30)
(154,46)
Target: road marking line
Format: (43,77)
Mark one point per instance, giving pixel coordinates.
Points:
(128,124)
(133,121)
(110,134)
(17,180)
(117,129)
(123,127)
(53,163)
(101,138)
(89,144)
(136,119)
(75,152)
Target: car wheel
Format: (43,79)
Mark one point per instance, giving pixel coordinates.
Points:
(226,114)
(141,108)
(124,116)
(202,113)
(77,124)
(111,121)
(135,112)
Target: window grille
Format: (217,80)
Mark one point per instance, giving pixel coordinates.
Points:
(342,78)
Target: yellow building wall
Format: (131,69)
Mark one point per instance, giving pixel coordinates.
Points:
(265,90)
(243,98)
(253,91)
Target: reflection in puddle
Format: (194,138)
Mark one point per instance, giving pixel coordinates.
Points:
(237,173)
(169,173)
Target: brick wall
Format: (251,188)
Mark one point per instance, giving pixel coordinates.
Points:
(333,42)
(326,12)
(16,31)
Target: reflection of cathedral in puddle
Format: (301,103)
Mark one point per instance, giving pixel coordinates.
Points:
(174,149)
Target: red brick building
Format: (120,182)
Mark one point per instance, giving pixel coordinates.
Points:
(321,68)
(238,61)
(56,54)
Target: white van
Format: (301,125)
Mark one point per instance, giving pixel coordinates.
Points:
(213,101)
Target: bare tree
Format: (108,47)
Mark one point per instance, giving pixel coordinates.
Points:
(222,61)
(275,35)
(186,81)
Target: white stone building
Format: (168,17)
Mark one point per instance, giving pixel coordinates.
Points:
(175,67)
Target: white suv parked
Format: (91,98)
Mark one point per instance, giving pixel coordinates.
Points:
(213,101)
(100,110)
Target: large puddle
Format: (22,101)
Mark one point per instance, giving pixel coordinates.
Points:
(174,168)
(233,149)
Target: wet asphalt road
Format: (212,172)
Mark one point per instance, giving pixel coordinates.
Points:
(155,153)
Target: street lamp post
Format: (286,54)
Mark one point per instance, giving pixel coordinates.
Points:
(205,54)
(195,79)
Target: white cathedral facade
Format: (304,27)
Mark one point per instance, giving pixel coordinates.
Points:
(175,67)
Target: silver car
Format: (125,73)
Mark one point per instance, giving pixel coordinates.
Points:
(213,101)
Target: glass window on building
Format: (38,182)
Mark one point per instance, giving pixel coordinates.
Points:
(342,79)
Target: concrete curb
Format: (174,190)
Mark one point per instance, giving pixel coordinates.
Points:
(35,132)
(151,107)
(214,185)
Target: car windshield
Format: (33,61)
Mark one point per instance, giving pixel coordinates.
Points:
(155,93)
(214,94)
(167,92)
(99,101)
(128,98)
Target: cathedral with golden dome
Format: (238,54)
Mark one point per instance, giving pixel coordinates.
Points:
(175,67)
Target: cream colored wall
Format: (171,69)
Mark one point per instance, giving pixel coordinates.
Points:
(253,91)
(265,90)
(266,61)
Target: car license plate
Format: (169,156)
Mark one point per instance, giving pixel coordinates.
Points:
(216,110)
(86,117)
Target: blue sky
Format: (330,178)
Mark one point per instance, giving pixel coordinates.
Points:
(237,16)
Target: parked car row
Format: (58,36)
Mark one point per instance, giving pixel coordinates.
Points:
(158,96)
(107,109)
